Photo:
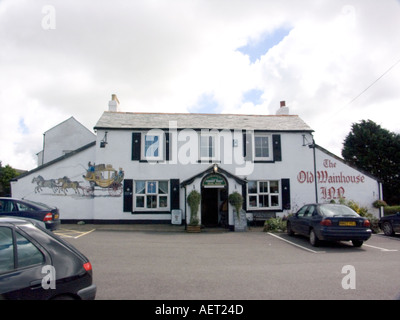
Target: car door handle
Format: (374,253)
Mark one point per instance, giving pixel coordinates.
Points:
(36,284)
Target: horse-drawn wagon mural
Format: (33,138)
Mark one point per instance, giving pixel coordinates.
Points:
(101,178)
(106,177)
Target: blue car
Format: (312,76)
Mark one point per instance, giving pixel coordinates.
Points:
(48,217)
(330,222)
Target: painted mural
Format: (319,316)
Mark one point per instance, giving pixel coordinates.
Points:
(99,180)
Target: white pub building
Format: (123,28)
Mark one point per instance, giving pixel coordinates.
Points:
(140,168)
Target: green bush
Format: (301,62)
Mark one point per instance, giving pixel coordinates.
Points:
(193,200)
(236,200)
(275,225)
(391,210)
(379,203)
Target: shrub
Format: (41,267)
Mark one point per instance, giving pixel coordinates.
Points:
(193,200)
(379,203)
(391,210)
(275,225)
(236,200)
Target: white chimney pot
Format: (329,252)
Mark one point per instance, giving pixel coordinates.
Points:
(113,104)
(283,110)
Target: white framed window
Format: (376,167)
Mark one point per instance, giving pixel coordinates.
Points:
(264,194)
(262,146)
(151,195)
(152,146)
(208,146)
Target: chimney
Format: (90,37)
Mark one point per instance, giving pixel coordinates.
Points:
(113,104)
(283,110)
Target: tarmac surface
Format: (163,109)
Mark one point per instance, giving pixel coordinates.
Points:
(164,262)
(142,227)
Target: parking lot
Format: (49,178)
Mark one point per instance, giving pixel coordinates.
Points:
(169,264)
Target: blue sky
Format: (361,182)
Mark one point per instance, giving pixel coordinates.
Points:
(205,104)
(256,49)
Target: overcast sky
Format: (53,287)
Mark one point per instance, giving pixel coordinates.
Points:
(65,58)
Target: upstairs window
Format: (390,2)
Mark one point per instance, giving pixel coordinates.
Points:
(262,147)
(208,147)
(152,146)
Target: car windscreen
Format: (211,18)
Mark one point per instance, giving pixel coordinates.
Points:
(330,210)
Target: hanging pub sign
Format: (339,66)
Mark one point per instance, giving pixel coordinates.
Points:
(214,181)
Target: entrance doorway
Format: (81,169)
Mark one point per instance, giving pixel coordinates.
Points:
(214,201)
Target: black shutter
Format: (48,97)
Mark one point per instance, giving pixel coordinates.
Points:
(128,195)
(286,194)
(276,144)
(174,192)
(244,195)
(136,137)
(167,146)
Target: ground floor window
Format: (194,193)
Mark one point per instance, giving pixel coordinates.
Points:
(263,194)
(151,195)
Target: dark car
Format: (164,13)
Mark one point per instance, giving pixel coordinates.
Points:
(48,216)
(331,222)
(35,264)
(390,224)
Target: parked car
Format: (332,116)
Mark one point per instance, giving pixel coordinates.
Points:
(35,264)
(331,222)
(390,224)
(48,216)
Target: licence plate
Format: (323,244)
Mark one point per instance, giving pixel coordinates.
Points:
(56,216)
(347,223)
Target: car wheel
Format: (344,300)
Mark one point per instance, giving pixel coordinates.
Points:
(314,241)
(289,229)
(387,229)
(357,243)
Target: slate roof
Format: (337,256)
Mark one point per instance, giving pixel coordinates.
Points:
(134,120)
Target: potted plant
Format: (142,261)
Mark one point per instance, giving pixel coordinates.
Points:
(193,200)
(236,200)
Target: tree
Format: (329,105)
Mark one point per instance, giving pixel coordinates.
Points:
(375,150)
(6,174)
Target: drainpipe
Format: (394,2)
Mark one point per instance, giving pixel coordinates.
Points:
(185,211)
(44,145)
(315,170)
(381,210)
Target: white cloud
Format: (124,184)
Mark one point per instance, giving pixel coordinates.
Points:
(166,55)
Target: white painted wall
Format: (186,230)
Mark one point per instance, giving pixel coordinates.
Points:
(66,136)
(335,178)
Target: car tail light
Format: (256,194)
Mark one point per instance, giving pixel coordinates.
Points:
(326,222)
(366,223)
(87,266)
(48,217)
